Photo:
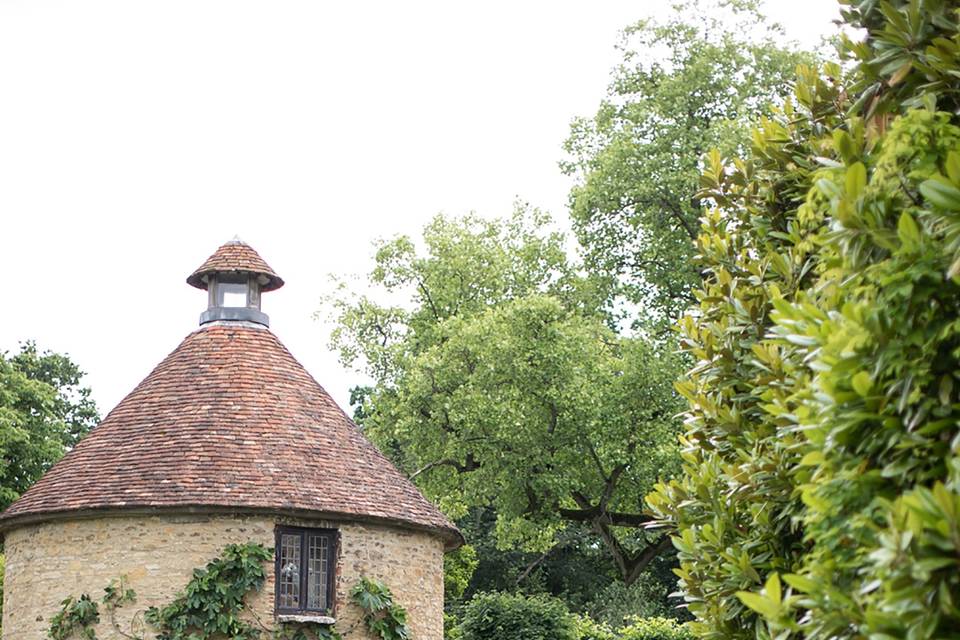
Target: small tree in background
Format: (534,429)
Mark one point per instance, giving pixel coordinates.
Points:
(43,412)
(498,383)
(820,496)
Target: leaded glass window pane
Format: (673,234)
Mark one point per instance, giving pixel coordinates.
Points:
(305,571)
(317,572)
(289,579)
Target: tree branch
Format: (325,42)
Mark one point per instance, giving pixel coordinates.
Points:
(612,518)
(470,464)
(536,563)
(645,557)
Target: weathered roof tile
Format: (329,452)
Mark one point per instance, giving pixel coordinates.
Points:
(239,257)
(230,419)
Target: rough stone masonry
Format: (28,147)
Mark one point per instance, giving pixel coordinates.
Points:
(52,561)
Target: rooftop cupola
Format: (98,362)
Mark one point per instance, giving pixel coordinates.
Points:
(234,277)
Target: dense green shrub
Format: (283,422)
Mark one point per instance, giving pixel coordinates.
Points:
(616,604)
(589,629)
(820,496)
(656,629)
(502,616)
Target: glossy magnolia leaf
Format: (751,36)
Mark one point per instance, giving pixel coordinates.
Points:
(856,180)
(941,193)
(908,231)
(953,167)
(760,603)
(800,583)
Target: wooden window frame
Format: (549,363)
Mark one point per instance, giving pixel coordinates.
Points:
(333,548)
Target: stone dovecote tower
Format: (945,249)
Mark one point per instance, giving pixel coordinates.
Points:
(228,440)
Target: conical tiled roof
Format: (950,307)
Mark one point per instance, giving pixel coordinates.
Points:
(236,256)
(229,422)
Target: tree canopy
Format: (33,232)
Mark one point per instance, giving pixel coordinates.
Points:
(686,85)
(43,412)
(498,383)
(820,493)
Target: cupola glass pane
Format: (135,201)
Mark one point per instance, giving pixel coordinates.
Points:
(232,294)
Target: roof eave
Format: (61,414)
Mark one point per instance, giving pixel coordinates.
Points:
(452,537)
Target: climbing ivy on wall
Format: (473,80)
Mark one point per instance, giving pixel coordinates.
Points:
(382,615)
(213,599)
(75,619)
(212,605)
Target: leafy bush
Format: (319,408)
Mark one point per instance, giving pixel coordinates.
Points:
(458,568)
(617,604)
(820,496)
(502,616)
(656,629)
(451,627)
(589,629)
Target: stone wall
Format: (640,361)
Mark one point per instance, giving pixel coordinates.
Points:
(47,563)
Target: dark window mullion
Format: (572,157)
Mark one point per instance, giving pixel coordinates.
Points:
(304,571)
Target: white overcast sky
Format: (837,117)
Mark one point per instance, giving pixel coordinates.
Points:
(136,137)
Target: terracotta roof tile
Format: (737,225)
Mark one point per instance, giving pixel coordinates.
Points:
(236,256)
(230,419)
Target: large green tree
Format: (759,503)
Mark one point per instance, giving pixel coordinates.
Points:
(499,384)
(686,85)
(44,411)
(820,496)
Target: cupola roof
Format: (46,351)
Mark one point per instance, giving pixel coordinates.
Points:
(236,256)
(229,422)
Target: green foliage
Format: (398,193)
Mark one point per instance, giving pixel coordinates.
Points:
(501,616)
(43,412)
(588,629)
(496,616)
(656,629)
(911,52)
(75,619)
(78,616)
(382,616)
(821,479)
(213,601)
(117,593)
(499,384)
(576,570)
(692,83)
(616,604)
(451,626)
(458,568)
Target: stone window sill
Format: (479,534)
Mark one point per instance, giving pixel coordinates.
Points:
(310,618)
